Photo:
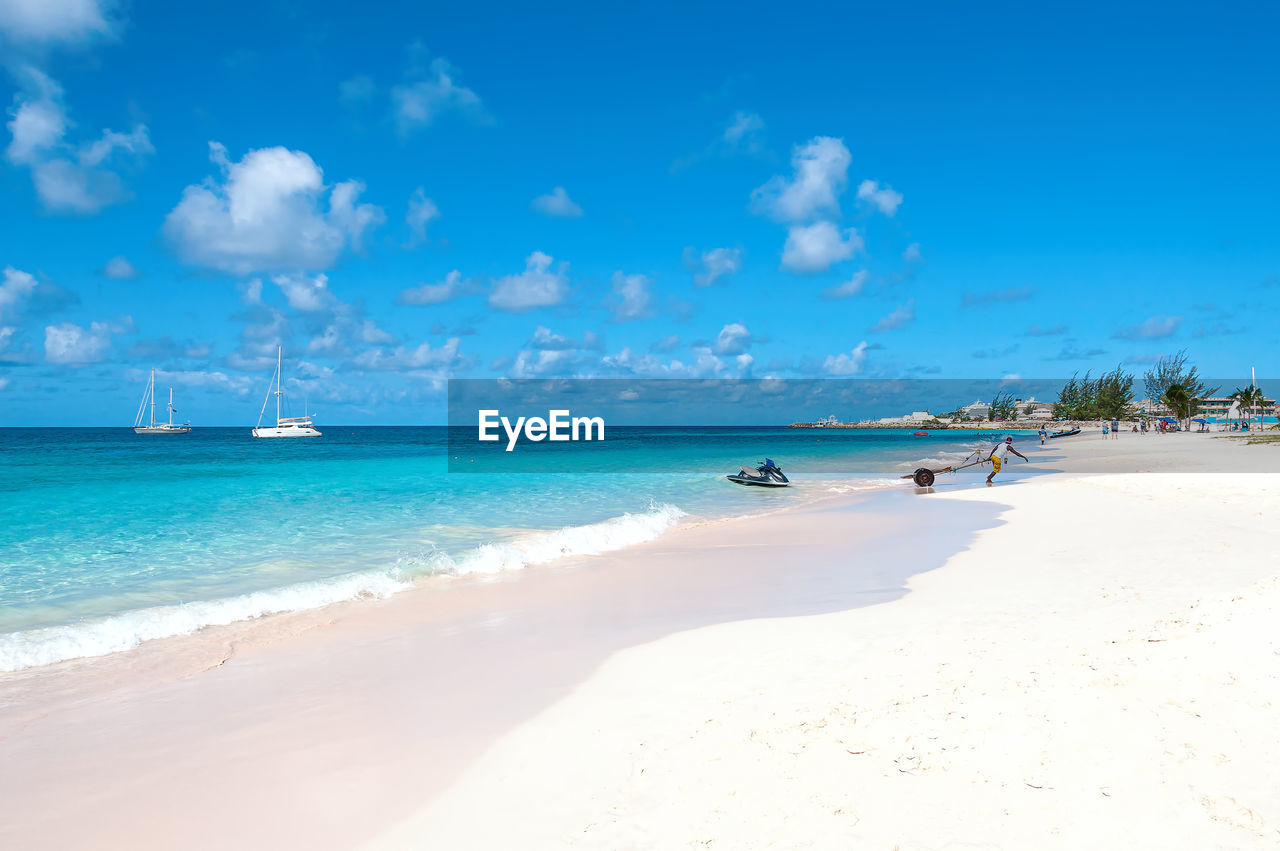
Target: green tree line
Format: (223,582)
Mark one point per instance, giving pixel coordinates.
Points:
(1108,397)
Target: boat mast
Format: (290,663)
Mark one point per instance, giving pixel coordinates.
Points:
(153,397)
(279,353)
(170,407)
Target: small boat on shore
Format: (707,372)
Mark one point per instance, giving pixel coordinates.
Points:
(1065,432)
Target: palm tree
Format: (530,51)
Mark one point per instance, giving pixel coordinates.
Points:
(1248,397)
(1241,397)
(1179,400)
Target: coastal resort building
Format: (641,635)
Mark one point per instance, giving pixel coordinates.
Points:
(1213,408)
(1219,407)
(978,410)
(1037,410)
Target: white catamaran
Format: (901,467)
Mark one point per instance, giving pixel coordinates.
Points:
(285,426)
(154,427)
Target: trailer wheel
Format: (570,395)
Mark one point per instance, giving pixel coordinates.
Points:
(923,477)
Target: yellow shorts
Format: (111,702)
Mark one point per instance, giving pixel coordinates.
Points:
(995,463)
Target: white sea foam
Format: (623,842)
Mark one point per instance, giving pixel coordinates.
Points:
(542,547)
(127,630)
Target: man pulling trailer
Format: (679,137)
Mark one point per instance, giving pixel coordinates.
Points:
(924,476)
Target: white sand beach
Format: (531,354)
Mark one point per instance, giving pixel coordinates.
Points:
(1077,660)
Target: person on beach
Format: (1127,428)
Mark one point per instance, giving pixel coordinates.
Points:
(1043,435)
(1115,429)
(998,454)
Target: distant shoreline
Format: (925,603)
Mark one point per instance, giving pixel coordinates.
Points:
(987,426)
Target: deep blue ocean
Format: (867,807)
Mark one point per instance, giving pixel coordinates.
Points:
(108,538)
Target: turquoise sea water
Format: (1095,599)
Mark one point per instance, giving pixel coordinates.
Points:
(108,538)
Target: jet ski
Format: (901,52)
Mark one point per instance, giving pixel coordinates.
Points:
(766,474)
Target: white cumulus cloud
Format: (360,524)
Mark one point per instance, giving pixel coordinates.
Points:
(820,175)
(268,213)
(306,294)
(815,247)
(743,131)
(37,120)
(733,339)
(883,198)
(68,177)
(545,339)
(542,362)
(849,288)
(632,298)
(422,211)
(537,286)
(237,384)
(16,287)
(119,269)
(715,264)
(847,363)
(1152,329)
(901,315)
(420,102)
(411,358)
(47,21)
(69,343)
(452,286)
(556,203)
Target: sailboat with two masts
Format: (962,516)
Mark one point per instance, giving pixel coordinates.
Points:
(285,426)
(153,427)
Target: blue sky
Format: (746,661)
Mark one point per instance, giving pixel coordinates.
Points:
(407,192)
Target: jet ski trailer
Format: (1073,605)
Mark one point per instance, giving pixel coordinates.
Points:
(766,475)
(923,476)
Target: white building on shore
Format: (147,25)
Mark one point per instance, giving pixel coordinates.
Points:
(1221,407)
(913,418)
(1038,410)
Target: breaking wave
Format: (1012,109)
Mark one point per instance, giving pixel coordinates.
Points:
(125,631)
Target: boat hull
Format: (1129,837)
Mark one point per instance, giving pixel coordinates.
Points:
(285,431)
(161,429)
